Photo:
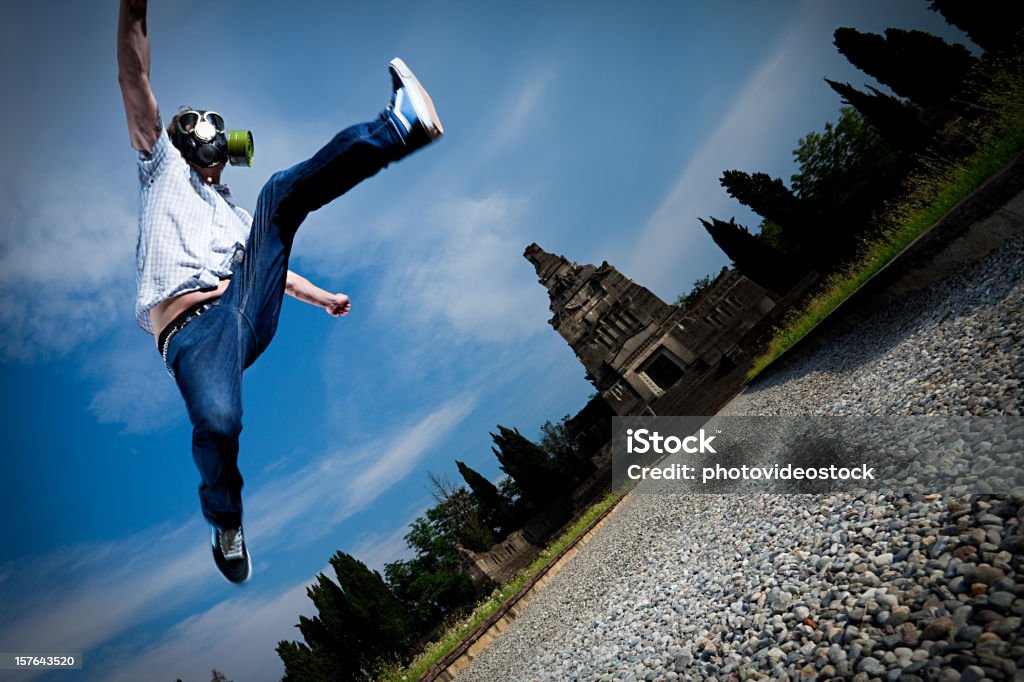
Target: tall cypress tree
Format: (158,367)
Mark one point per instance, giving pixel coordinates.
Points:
(536,474)
(993,25)
(770,199)
(918,66)
(754,257)
(898,123)
(359,626)
(491,501)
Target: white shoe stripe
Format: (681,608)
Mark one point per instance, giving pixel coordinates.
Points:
(399,101)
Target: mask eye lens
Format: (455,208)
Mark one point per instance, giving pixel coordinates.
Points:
(187,121)
(216,121)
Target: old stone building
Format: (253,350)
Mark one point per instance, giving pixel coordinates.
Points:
(643,355)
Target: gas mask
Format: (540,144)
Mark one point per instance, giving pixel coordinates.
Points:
(203,140)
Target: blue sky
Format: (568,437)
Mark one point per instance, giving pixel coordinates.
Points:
(598,130)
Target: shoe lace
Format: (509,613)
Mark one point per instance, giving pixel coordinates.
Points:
(230,543)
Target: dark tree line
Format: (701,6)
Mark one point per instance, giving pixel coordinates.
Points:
(848,173)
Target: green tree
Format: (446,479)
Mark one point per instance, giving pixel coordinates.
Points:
(846,173)
(835,163)
(510,491)
(564,448)
(496,510)
(359,627)
(536,473)
(433,584)
(459,515)
(699,286)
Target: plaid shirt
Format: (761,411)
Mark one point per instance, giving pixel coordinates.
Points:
(190,233)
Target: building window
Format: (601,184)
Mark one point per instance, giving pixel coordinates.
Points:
(604,337)
(616,391)
(664,370)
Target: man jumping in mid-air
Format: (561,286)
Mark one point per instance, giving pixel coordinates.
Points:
(211,277)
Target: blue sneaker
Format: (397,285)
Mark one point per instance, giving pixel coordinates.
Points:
(411,108)
(231,555)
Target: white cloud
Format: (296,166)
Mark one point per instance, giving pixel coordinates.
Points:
(78,597)
(66,259)
(239,636)
(473,274)
(135,389)
(446,254)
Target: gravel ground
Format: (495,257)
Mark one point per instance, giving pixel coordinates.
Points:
(876,586)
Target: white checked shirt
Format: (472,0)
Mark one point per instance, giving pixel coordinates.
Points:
(190,233)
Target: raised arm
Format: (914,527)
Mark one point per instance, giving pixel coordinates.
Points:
(299,287)
(133,75)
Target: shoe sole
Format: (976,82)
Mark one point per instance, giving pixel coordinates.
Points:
(248,577)
(421,101)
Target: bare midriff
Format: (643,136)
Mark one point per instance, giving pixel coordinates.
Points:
(164,312)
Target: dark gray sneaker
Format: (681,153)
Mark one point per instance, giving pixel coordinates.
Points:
(231,555)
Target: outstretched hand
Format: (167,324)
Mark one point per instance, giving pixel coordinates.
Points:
(338,305)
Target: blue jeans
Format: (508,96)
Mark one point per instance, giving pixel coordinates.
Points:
(209,354)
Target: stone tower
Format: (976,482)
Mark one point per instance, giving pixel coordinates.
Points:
(643,355)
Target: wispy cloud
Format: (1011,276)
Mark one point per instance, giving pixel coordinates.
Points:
(507,124)
(378,549)
(447,252)
(237,636)
(311,502)
(79,597)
